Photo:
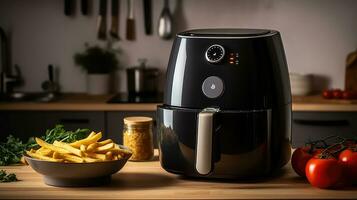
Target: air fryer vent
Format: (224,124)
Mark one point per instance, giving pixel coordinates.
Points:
(225,33)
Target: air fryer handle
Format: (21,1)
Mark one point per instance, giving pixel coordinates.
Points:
(204,141)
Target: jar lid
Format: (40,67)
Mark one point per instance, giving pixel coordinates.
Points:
(137,120)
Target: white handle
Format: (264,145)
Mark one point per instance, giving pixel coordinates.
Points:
(204,141)
(130,9)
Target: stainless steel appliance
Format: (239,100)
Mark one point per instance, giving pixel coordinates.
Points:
(142,80)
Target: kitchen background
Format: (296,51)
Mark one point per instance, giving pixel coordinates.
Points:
(317,34)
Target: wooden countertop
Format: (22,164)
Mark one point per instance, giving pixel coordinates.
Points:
(84,102)
(317,103)
(147,180)
(79,102)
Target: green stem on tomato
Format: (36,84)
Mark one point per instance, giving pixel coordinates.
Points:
(314,144)
(326,152)
(331,137)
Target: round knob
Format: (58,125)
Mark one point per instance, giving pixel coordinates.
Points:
(212,87)
(215,53)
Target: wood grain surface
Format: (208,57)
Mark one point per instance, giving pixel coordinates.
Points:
(147,180)
(79,102)
(317,103)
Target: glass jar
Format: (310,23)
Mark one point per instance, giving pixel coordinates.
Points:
(138,137)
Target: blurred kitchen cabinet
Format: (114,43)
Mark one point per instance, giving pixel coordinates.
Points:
(351,72)
(24,124)
(115,123)
(308,126)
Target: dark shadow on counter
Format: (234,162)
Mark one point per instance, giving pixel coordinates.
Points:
(135,181)
(277,180)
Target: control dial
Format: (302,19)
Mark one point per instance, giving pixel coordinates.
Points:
(215,53)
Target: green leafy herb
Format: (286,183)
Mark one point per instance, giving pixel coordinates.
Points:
(97,60)
(60,134)
(4,177)
(11,151)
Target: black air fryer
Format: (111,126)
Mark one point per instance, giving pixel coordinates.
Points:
(227,104)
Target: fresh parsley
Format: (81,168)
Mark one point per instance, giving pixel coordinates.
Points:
(11,151)
(60,134)
(4,177)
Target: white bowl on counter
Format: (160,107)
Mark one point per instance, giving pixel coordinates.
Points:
(301,85)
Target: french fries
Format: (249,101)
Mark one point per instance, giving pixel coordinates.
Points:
(72,158)
(56,155)
(98,156)
(50,146)
(120,151)
(87,150)
(104,142)
(88,140)
(45,152)
(83,147)
(105,148)
(69,148)
(91,160)
(91,134)
(39,156)
(92,147)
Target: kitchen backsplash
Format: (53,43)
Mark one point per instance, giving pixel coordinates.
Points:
(317,34)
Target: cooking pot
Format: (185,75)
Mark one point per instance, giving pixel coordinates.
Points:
(142,80)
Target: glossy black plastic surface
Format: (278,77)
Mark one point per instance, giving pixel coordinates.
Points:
(224,33)
(245,145)
(257,79)
(252,130)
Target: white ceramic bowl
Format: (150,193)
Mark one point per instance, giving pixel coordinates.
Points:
(301,85)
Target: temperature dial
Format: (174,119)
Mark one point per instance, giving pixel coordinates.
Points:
(215,53)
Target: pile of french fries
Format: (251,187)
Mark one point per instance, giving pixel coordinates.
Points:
(87,150)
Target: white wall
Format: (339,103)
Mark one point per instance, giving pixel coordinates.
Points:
(317,34)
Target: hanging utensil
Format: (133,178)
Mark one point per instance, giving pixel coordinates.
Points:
(165,22)
(114,33)
(50,85)
(84,7)
(68,7)
(102,21)
(130,21)
(148,16)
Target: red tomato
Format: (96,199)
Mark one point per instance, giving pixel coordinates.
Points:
(353,94)
(350,144)
(323,173)
(347,95)
(349,160)
(327,94)
(337,93)
(300,157)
